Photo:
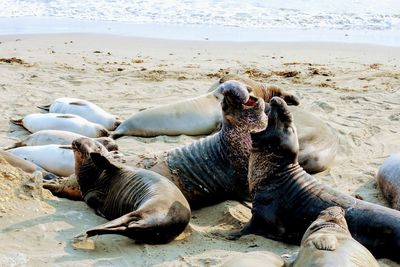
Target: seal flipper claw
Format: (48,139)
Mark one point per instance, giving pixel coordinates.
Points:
(326,242)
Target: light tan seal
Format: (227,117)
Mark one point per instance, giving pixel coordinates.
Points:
(254,259)
(328,242)
(389,180)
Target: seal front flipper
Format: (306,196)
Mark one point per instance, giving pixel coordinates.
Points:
(67,187)
(45,107)
(327,242)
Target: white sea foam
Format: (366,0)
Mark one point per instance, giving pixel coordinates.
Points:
(291,14)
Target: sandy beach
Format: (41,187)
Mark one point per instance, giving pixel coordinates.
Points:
(354,88)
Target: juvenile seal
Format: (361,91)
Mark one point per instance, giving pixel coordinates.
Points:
(389,180)
(328,242)
(65,122)
(57,137)
(25,165)
(318,142)
(214,168)
(195,116)
(84,109)
(286,199)
(142,204)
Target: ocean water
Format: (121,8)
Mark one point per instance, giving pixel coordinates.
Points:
(357,17)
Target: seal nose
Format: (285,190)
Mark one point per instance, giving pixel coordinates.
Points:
(277,101)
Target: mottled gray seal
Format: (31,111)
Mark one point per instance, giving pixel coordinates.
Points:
(212,169)
(65,122)
(286,199)
(142,204)
(389,180)
(328,242)
(84,109)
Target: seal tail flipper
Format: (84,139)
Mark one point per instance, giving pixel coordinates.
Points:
(18,122)
(17,144)
(46,107)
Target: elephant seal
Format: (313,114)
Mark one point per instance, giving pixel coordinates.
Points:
(25,165)
(328,242)
(141,204)
(65,122)
(57,137)
(214,168)
(389,180)
(255,258)
(57,159)
(84,109)
(318,142)
(196,116)
(286,199)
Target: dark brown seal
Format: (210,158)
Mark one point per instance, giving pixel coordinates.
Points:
(286,199)
(212,169)
(389,180)
(142,204)
(328,242)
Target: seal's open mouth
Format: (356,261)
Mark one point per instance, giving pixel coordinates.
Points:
(251,102)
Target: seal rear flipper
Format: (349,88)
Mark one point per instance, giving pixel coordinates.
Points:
(46,107)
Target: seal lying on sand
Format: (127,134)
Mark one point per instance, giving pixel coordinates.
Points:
(255,258)
(57,137)
(84,109)
(65,122)
(142,204)
(389,180)
(57,159)
(318,142)
(196,116)
(328,242)
(25,165)
(212,169)
(286,199)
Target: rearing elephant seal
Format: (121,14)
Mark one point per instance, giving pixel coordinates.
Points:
(212,169)
(318,142)
(286,199)
(328,242)
(142,204)
(389,180)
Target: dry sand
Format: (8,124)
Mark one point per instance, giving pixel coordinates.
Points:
(353,88)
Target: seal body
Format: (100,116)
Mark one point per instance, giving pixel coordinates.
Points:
(64,122)
(84,109)
(195,116)
(255,258)
(142,204)
(214,168)
(53,158)
(286,199)
(389,180)
(328,242)
(57,137)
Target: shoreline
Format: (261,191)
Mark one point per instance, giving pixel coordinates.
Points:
(40,25)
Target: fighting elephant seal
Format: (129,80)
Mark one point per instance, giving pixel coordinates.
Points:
(141,204)
(389,180)
(57,137)
(328,242)
(84,109)
(286,199)
(64,122)
(195,116)
(318,142)
(214,168)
